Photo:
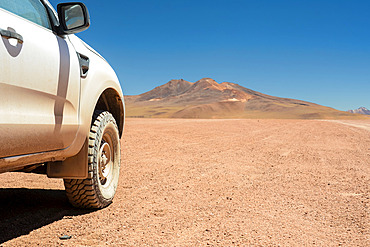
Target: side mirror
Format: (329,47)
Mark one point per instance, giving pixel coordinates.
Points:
(73,17)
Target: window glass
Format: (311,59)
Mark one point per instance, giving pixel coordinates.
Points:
(32,10)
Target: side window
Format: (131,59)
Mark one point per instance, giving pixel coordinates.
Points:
(32,10)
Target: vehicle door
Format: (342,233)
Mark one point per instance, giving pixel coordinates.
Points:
(39,81)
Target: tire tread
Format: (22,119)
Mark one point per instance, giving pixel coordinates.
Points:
(82,193)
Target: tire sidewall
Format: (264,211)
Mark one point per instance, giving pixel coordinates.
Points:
(106,192)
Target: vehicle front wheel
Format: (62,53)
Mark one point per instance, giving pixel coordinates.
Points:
(98,190)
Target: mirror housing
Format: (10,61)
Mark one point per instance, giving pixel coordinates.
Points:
(73,17)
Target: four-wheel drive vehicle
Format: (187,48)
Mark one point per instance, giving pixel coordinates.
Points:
(61,104)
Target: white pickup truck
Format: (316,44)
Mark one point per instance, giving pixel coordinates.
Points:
(61,104)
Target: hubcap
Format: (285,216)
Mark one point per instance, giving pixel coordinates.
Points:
(105,162)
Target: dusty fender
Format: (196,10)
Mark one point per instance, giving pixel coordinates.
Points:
(100,90)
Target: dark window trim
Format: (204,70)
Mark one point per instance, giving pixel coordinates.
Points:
(54,22)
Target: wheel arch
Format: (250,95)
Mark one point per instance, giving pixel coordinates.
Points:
(111,101)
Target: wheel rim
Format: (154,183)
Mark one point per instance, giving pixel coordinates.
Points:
(105,161)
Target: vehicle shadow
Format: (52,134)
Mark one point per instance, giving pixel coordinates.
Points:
(24,210)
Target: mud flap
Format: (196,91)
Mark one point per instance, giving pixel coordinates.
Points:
(75,167)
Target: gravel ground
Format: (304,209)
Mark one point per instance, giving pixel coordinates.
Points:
(210,182)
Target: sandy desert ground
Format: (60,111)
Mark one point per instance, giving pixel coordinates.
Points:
(211,182)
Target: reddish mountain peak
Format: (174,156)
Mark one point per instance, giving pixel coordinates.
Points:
(207,83)
(176,82)
(208,80)
(171,88)
(177,86)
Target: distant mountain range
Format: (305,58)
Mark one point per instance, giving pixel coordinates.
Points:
(208,99)
(361,110)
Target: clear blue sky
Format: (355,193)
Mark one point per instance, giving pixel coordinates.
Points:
(313,50)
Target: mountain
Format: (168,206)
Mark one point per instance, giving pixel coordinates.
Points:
(361,110)
(208,99)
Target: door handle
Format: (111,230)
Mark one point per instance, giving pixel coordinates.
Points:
(11,35)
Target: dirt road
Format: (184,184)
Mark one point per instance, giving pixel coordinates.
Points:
(210,182)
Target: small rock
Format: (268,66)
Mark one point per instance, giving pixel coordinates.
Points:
(65,237)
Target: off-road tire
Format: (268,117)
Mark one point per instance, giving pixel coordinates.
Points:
(99,188)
